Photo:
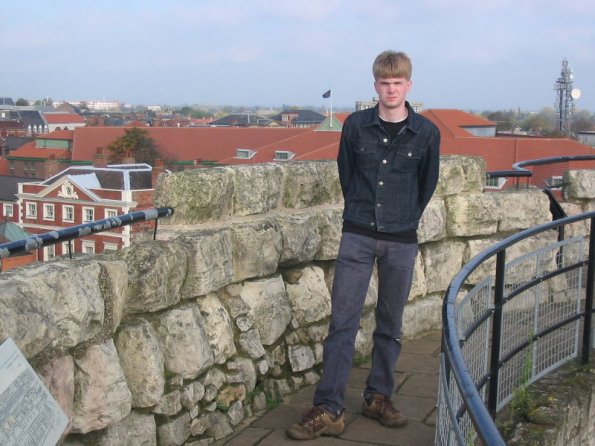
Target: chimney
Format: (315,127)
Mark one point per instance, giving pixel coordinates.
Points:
(98,158)
(158,169)
(52,167)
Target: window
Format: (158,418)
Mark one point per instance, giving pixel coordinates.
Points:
(283,155)
(12,166)
(31,210)
(245,154)
(110,246)
(67,248)
(495,183)
(555,182)
(49,252)
(48,212)
(88,247)
(111,213)
(8,210)
(88,215)
(68,213)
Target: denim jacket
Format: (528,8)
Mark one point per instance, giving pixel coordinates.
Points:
(387,184)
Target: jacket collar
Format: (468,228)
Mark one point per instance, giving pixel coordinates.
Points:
(413,121)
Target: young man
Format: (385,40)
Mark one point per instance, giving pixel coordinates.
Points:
(388,168)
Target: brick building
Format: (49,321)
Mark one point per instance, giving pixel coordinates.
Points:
(80,195)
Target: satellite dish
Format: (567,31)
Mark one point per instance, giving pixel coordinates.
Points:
(575,93)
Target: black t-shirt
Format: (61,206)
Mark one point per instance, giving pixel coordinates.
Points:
(393,129)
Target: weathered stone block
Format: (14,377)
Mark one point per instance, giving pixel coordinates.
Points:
(197,195)
(442,260)
(183,340)
(175,431)
(156,271)
(102,397)
(269,307)
(53,304)
(210,264)
(300,238)
(218,327)
(473,214)
(579,185)
(311,183)
(330,222)
(460,174)
(142,362)
(256,189)
(432,226)
(309,298)
(256,248)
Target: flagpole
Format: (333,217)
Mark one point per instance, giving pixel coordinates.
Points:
(331,123)
(326,95)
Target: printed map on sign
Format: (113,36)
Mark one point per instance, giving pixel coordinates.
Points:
(28,412)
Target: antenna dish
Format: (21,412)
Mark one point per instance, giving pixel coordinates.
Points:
(575,93)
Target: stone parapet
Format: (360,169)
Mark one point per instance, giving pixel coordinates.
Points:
(178,340)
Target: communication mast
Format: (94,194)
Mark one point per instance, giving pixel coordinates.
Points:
(565,96)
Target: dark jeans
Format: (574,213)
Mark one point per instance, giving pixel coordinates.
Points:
(355,262)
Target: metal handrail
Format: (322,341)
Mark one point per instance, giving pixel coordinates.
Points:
(73,232)
(481,416)
(518,169)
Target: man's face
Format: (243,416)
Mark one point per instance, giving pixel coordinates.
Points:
(392,91)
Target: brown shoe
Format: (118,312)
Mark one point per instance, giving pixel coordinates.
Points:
(381,408)
(315,422)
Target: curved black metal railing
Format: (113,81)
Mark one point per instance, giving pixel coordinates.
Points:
(519,171)
(470,398)
(73,232)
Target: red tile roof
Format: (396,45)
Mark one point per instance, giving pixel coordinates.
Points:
(455,121)
(206,143)
(221,143)
(29,150)
(63,118)
(59,134)
(500,153)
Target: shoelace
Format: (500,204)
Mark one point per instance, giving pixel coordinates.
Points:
(313,415)
(385,405)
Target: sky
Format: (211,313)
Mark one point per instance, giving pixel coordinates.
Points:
(467,54)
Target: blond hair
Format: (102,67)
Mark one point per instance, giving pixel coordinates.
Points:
(392,64)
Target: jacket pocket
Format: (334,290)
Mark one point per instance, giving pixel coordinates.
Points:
(365,154)
(408,158)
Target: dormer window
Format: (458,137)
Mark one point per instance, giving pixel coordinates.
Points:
(245,154)
(495,182)
(555,182)
(283,155)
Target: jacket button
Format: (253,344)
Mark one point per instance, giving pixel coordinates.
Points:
(384,161)
(371,223)
(409,154)
(381,183)
(385,140)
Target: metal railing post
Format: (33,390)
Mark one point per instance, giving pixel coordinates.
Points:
(589,296)
(496,333)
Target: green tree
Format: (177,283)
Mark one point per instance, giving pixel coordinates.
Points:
(504,120)
(583,120)
(541,123)
(136,143)
(22,102)
(185,111)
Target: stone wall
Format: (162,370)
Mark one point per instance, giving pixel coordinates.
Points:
(177,341)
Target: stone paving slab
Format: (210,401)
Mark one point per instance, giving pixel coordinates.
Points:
(417,386)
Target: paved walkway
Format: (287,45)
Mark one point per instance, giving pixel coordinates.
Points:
(417,378)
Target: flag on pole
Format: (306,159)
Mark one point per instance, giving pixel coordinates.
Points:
(327,94)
